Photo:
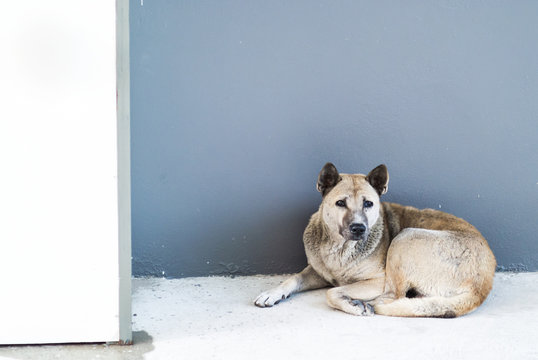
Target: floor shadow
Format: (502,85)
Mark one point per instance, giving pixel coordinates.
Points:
(142,344)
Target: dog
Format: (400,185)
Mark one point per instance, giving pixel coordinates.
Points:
(385,258)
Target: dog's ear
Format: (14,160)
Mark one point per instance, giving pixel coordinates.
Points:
(327,179)
(379,179)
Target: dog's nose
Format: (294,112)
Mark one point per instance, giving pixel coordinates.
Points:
(357,228)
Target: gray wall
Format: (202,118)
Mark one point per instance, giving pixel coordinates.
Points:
(236,105)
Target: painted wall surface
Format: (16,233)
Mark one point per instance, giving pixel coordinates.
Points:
(236,106)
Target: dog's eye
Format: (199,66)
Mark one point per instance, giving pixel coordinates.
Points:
(368,204)
(341,203)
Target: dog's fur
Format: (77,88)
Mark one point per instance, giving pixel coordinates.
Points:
(387,258)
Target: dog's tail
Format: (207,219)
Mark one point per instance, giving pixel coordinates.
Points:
(434,306)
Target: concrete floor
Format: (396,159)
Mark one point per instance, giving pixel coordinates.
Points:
(214,318)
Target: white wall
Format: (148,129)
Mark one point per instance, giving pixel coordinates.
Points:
(58,160)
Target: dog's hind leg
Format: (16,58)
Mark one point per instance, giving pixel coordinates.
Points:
(352,298)
(434,306)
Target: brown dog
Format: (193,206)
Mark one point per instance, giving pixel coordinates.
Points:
(387,258)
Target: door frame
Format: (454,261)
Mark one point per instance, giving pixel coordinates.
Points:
(124,169)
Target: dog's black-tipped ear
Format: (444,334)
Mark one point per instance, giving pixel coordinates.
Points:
(327,179)
(379,179)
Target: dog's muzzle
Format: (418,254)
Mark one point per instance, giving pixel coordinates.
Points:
(357,230)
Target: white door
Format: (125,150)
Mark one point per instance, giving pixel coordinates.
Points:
(59,257)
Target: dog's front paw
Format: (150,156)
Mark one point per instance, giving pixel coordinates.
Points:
(270,298)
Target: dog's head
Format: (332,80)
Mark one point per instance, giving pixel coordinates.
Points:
(351,202)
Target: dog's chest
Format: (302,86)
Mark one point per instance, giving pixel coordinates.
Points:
(341,265)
